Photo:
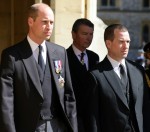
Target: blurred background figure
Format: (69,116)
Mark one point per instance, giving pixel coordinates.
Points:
(140,59)
(147,61)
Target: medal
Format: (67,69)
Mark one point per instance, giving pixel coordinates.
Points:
(61,81)
(58,66)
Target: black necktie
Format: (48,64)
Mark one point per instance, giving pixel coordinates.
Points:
(123,75)
(40,58)
(82,59)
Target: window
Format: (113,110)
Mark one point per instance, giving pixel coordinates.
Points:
(146,33)
(108,3)
(146,3)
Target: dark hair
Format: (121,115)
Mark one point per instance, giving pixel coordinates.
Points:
(109,31)
(81,21)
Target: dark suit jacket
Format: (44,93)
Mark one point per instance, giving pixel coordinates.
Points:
(78,74)
(109,110)
(21,95)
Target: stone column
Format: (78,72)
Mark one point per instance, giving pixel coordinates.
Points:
(66,12)
(98,44)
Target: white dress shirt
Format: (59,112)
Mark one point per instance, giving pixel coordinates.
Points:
(35,49)
(115,64)
(78,54)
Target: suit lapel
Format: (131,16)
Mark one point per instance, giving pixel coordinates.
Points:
(91,62)
(111,77)
(30,65)
(75,60)
(52,57)
(133,81)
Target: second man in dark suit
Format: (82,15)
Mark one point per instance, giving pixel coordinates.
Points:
(80,60)
(118,100)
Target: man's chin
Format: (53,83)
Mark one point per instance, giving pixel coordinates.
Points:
(125,56)
(47,38)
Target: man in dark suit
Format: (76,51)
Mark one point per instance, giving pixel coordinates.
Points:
(80,60)
(36,92)
(118,92)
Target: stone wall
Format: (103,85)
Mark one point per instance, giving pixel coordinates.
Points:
(132,15)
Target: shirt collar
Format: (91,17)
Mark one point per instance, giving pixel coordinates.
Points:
(34,45)
(77,51)
(115,64)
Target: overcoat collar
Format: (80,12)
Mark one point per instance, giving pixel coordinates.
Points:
(53,55)
(111,78)
(133,81)
(30,64)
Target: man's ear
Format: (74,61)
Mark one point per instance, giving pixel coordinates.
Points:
(73,35)
(108,44)
(30,21)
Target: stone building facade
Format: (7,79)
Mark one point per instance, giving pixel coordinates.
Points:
(134,14)
(13,22)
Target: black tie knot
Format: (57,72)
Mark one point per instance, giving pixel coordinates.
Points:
(123,74)
(122,71)
(82,58)
(40,48)
(40,58)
